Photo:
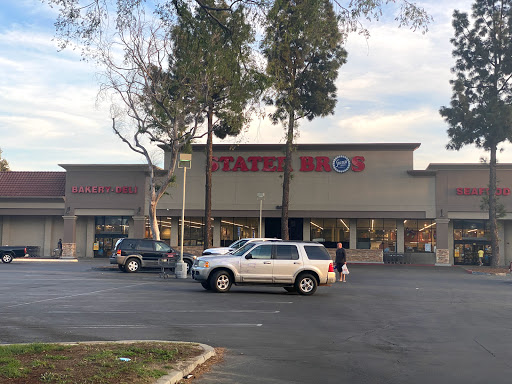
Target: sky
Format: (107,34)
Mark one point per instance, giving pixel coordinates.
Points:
(389,91)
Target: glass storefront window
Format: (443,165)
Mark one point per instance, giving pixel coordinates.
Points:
(376,234)
(109,229)
(419,235)
(471,236)
(329,232)
(234,228)
(165,227)
(193,231)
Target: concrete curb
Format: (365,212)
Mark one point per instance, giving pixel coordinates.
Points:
(35,260)
(486,273)
(185,367)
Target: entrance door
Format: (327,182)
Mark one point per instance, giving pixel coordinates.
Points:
(466,252)
(273,228)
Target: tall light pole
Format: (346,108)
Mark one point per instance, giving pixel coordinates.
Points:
(261,197)
(181,267)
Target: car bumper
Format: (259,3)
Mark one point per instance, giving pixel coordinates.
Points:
(200,274)
(331,278)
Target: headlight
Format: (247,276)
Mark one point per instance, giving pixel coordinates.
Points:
(203,264)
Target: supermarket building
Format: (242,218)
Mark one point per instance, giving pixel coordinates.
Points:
(367,196)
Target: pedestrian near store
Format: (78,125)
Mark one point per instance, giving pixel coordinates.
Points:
(481,256)
(340,260)
(59,246)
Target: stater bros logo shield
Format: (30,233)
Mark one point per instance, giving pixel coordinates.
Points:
(341,164)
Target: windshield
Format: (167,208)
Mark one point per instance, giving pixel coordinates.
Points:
(242,250)
(237,244)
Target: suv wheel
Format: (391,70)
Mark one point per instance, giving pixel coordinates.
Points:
(6,258)
(306,284)
(132,265)
(220,281)
(206,285)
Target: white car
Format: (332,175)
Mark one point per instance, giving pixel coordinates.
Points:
(234,246)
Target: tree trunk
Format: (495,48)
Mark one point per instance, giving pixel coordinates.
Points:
(493,222)
(286,177)
(208,183)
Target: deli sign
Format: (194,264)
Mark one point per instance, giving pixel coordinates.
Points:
(338,164)
(103,189)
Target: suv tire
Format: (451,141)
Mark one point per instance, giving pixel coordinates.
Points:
(189,266)
(220,281)
(206,285)
(290,289)
(7,258)
(306,284)
(132,265)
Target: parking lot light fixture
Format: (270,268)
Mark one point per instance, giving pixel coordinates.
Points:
(185,161)
(261,197)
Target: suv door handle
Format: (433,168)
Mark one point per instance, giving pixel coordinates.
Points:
(296,262)
(267,262)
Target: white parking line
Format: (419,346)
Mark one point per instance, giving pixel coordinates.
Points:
(78,294)
(172,311)
(114,326)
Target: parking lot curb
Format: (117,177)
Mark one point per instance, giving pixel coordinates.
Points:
(35,260)
(187,366)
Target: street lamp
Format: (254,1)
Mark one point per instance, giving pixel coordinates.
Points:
(261,197)
(184,162)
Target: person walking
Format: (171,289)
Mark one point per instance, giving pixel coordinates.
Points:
(59,246)
(481,256)
(340,260)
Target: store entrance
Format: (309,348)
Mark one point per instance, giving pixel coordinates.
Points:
(466,252)
(273,228)
(104,245)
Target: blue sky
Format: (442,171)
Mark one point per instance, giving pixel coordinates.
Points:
(389,91)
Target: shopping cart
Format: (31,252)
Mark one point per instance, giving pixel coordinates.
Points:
(167,265)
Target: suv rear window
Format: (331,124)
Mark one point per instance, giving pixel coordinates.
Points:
(317,253)
(126,244)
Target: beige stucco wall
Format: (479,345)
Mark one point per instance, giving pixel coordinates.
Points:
(384,185)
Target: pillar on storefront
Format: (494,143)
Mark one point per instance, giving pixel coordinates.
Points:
(6,230)
(139,227)
(442,241)
(69,238)
(400,236)
(353,234)
(306,230)
(175,228)
(216,232)
(90,237)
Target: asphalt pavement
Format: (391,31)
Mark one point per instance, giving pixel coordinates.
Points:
(387,324)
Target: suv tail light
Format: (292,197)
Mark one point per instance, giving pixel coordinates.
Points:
(331,267)
(118,253)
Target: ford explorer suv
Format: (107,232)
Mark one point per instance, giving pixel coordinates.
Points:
(132,254)
(297,266)
(234,246)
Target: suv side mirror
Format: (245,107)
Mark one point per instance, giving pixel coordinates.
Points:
(249,256)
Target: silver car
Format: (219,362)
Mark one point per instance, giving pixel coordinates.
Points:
(235,245)
(297,266)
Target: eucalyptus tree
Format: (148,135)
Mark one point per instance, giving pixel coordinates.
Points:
(480,111)
(303,48)
(221,72)
(4,165)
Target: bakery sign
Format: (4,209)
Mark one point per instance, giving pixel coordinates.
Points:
(103,189)
(340,164)
(472,191)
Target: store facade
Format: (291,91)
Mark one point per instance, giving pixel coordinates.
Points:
(367,196)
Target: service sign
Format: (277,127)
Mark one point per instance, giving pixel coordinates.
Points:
(339,164)
(103,189)
(473,191)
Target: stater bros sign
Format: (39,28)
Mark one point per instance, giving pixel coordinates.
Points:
(340,164)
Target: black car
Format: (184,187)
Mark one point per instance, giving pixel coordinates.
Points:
(132,254)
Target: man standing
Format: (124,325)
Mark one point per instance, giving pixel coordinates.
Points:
(59,245)
(341,260)
(481,256)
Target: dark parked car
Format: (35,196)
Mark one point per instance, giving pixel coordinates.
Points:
(132,254)
(7,253)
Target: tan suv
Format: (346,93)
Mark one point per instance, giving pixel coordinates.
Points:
(297,266)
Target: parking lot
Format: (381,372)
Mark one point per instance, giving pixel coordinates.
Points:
(387,324)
